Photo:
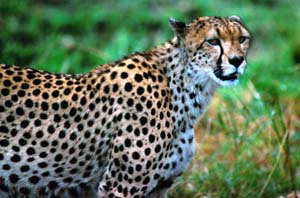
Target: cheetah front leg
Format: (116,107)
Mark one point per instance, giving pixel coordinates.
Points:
(158,193)
(134,169)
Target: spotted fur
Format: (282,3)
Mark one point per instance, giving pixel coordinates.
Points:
(125,129)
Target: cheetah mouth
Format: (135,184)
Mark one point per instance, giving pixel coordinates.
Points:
(231,77)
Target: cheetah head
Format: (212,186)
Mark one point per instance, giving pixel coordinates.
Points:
(214,46)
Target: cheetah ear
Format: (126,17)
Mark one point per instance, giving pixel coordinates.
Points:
(236,19)
(178,27)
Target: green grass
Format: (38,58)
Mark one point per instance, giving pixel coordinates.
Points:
(248,141)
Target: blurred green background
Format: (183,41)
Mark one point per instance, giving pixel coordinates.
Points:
(248,140)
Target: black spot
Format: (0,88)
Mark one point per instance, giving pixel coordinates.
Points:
(78,88)
(58,157)
(113,75)
(149,104)
(34,179)
(92,106)
(124,75)
(43,116)
(62,134)
(73,136)
(143,120)
(83,101)
(59,82)
(2,109)
(24,191)
(39,134)
(4,143)
(140,90)
(131,66)
(47,85)
(72,111)
(106,89)
(29,103)
(127,143)
(43,192)
(15,158)
(55,93)
(138,77)
(10,118)
(14,178)
(30,151)
(8,103)
(68,180)
(36,81)
(17,78)
(19,111)
(36,92)
(30,76)
(115,87)
(24,86)
(51,129)
(59,170)
(135,155)
(3,129)
(128,87)
(146,180)
(139,143)
(64,104)
(55,106)
(149,88)
(147,151)
(130,102)
(45,174)
(27,135)
(67,91)
(24,168)
(16,148)
(57,118)
(24,123)
(52,185)
(14,98)
(152,122)
(44,106)
(75,97)
(5,92)
(22,142)
(45,95)
(42,164)
(136,132)
(151,138)
(44,143)
(7,83)
(21,93)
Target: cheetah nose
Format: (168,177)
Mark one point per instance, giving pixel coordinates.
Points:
(236,61)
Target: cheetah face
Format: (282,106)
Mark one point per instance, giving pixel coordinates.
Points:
(215,46)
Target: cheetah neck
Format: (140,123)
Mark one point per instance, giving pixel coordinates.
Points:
(191,91)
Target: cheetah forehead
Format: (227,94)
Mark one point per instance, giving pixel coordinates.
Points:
(226,27)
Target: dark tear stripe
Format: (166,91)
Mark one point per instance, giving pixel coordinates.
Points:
(219,61)
(200,46)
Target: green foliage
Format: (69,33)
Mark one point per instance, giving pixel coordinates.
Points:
(251,137)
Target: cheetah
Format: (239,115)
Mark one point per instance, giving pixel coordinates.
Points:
(124,129)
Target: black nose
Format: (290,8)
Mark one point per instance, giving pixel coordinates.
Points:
(236,61)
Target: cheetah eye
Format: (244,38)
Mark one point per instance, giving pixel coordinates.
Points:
(213,41)
(242,39)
